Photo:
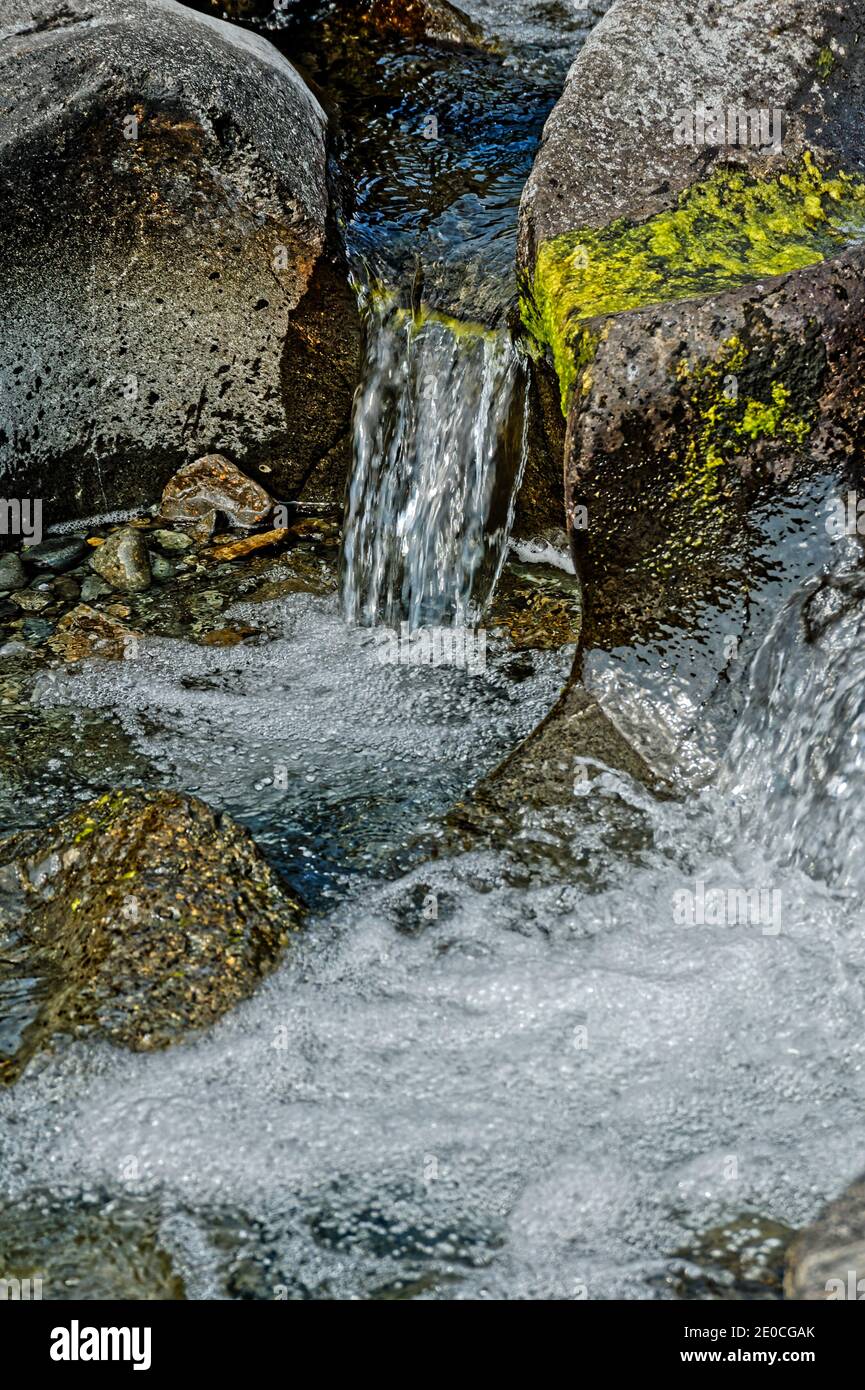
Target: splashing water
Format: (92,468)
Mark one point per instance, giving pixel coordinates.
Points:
(439,446)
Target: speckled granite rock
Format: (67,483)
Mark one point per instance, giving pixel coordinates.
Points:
(167,285)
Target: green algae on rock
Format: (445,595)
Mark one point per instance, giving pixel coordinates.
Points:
(728,231)
(137,918)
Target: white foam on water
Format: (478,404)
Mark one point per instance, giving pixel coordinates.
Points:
(540,1088)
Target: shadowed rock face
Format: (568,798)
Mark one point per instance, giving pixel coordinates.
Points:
(827,1260)
(166,285)
(139,917)
(435,20)
(698,285)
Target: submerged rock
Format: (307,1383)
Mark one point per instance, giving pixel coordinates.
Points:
(56,554)
(168,287)
(689,244)
(137,918)
(262,540)
(418,19)
(103,1247)
(122,560)
(214,484)
(12,574)
(84,632)
(827,1260)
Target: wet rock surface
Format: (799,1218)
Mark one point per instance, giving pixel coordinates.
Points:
(104,1247)
(122,561)
(214,484)
(165,228)
(138,918)
(12,574)
(696,283)
(434,20)
(826,1261)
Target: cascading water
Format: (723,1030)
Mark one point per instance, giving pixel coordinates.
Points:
(437,458)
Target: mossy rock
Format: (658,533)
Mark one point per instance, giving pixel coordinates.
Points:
(138,918)
(697,306)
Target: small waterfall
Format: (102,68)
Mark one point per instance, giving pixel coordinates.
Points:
(439,443)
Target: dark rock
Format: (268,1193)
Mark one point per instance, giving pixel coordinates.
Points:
(432,20)
(67,589)
(12,574)
(38,629)
(164,211)
(213,484)
(56,554)
(122,561)
(695,285)
(137,918)
(827,1260)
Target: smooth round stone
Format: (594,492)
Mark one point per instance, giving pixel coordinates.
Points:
(56,554)
(160,567)
(123,562)
(12,574)
(174,542)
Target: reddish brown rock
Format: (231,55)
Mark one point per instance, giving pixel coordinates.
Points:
(213,484)
(84,632)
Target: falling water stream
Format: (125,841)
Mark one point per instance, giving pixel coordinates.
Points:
(438,448)
(546,1085)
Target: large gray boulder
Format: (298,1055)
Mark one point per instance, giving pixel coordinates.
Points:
(167,287)
(691,261)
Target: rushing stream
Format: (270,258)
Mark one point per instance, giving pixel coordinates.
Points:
(480,1073)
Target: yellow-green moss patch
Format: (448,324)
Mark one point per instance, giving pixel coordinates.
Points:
(727,231)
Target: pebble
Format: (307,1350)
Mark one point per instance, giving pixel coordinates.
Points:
(12,574)
(67,588)
(123,561)
(94,587)
(56,554)
(85,632)
(160,567)
(262,540)
(30,600)
(38,628)
(174,542)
